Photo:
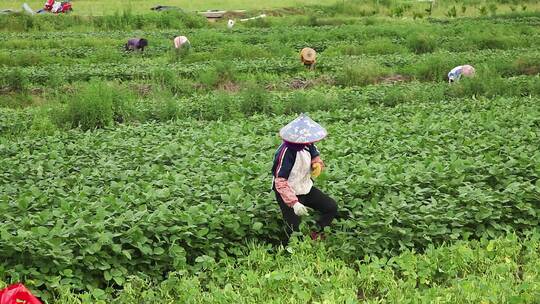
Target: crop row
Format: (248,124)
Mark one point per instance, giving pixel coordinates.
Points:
(403,38)
(77,109)
(424,67)
(381,38)
(114,52)
(151,198)
(363,28)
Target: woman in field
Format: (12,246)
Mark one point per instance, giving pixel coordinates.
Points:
(134,44)
(181,42)
(296,161)
(308,57)
(456,73)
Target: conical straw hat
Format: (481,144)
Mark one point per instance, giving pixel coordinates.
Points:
(302,130)
(308,54)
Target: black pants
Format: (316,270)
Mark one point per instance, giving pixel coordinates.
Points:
(314,199)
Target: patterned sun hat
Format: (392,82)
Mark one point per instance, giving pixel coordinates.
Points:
(302,130)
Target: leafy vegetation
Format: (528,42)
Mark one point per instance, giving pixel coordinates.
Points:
(490,271)
(146,199)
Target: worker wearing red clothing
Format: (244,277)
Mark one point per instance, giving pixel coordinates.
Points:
(57,6)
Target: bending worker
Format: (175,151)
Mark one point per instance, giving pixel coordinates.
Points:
(456,73)
(134,44)
(308,57)
(181,42)
(296,161)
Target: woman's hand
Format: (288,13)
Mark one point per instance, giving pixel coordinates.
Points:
(300,209)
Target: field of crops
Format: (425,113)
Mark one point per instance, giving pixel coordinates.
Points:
(130,177)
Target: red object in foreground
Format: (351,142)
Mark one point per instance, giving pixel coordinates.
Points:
(17,294)
(316,236)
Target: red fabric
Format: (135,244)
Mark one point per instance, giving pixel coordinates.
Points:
(287,194)
(49,5)
(66,6)
(317,236)
(17,294)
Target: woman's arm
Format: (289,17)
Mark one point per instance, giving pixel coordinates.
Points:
(284,164)
(285,191)
(315,156)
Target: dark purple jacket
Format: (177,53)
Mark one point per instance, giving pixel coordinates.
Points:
(136,44)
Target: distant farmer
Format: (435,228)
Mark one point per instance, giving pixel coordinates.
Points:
(230,24)
(57,6)
(456,73)
(308,56)
(181,42)
(134,44)
(296,162)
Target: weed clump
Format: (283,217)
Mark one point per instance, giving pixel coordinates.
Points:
(421,44)
(222,73)
(255,99)
(16,81)
(98,105)
(362,73)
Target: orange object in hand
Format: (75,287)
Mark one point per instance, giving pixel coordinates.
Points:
(316,170)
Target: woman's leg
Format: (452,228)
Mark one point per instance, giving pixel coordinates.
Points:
(292,220)
(321,202)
